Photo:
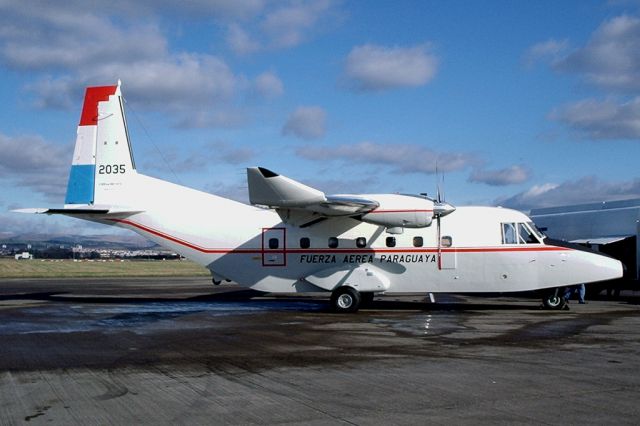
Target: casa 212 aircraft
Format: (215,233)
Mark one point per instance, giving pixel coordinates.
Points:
(294,238)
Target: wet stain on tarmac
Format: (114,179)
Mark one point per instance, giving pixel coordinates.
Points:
(244,331)
(40,412)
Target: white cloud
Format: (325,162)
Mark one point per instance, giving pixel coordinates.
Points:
(219,117)
(67,49)
(606,119)
(237,191)
(372,67)
(268,85)
(401,158)
(609,61)
(225,152)
(346,184)
(547,50)
(281,25)
(508,176)
(240,41)
(288,25)
(45,36)
(203,157)
(611,58)
(31,162)
(587,189)
(306,122)
(223,10)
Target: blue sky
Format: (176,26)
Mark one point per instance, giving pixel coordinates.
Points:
(520,104)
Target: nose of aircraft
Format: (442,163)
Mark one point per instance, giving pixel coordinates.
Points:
(595,267)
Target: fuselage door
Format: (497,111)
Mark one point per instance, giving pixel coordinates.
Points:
(448,255)
(274,249)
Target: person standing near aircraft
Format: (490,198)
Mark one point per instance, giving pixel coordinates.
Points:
(572,289)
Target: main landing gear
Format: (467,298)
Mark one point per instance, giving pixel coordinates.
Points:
(346,299)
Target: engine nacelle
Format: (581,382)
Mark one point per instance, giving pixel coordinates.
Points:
(396,210)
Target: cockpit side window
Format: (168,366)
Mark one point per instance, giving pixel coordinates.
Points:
(509,233)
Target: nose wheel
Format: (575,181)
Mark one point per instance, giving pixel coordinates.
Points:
(553,299)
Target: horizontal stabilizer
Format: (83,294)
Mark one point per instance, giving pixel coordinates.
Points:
(80,211)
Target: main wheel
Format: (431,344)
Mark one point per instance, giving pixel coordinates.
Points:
(553,299)
(345,299)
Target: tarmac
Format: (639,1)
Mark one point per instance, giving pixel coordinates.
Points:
(181,351)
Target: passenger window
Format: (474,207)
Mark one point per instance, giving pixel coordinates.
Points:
(417,241)
(333,242)
(509,233)
(361,242)
(446,241)
(526,235)
(391,241)
(273,243)
(305,243)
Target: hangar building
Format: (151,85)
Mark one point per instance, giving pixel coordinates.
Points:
(611,227)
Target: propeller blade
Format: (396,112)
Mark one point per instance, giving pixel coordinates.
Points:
(439,242)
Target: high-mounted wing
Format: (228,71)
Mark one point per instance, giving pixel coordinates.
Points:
(301,205)
(270,189)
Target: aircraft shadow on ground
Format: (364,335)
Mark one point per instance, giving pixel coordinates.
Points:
(238,295)
(253,297)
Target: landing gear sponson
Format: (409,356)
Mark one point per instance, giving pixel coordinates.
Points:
(348,299)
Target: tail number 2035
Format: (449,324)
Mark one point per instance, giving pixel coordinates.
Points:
(108,169)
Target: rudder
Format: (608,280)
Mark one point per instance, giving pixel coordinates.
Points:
(102,159)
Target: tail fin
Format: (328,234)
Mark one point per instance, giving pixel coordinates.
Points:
(103,162)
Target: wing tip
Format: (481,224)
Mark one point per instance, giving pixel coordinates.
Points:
(267,173)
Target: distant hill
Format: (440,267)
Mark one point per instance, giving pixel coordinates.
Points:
(133,241)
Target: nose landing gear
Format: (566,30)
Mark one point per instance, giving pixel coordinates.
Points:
(553,299)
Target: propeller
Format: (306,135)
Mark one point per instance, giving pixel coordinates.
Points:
(440,208)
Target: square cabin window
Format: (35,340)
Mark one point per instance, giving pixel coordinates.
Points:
(305,242)
(273,243)
(361,242)
(418,241)
(333,242)
(391,241)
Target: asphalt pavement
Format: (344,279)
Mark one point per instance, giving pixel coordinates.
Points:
(181,351)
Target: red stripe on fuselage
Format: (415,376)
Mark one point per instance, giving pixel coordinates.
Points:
(92,96)
(183,242)
(257,250)
(400,211)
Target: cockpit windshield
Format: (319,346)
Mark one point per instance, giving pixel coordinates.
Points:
(521,233)
(536,231)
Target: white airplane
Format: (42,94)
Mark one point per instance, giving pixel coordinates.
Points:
(294,238)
